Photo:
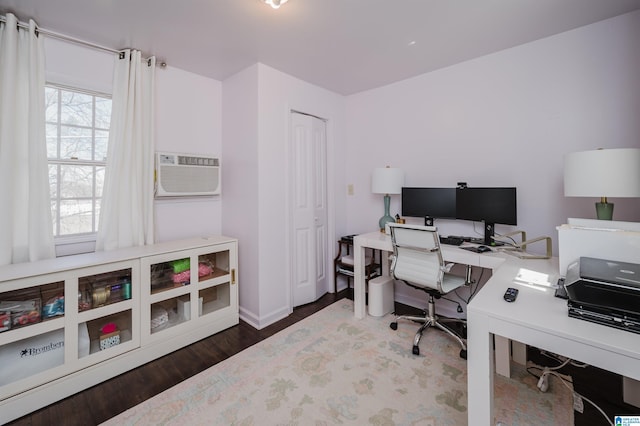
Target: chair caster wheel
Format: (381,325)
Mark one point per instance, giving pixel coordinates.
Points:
(463,354)
(416,350)
(394,325)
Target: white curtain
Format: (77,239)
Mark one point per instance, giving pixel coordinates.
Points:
(126,212)
(26,231)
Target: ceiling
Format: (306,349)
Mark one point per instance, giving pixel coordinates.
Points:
(346,46)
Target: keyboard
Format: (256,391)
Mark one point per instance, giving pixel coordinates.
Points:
(451,240)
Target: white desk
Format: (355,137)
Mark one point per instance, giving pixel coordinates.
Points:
(381,241)
(539,319)
(490,260)
(536,318)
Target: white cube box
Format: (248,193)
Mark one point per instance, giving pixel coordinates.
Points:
(184,307)
(30,356)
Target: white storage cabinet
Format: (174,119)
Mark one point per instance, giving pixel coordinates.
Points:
(69,323)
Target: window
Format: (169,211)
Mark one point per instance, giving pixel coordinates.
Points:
(77,131)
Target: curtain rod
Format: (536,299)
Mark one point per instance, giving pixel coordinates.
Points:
(70,39)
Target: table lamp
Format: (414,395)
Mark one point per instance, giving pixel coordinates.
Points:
(386,181)
(603,173)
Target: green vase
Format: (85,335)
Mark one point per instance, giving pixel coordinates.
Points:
(387,217)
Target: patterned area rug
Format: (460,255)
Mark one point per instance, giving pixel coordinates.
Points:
(332,369)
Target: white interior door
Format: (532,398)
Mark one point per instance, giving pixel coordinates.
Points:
(309,203)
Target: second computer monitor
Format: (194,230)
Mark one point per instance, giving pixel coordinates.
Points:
(490,205)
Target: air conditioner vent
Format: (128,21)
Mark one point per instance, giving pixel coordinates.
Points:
(180,175)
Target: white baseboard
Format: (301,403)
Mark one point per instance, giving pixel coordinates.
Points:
(258,322)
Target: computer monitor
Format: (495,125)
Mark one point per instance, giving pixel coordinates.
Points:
(430,203)
(490,205)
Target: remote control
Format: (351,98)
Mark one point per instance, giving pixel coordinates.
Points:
(511,294)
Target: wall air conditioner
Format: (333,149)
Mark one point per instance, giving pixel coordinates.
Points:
(186,175)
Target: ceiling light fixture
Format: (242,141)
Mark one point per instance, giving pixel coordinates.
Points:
(275,3)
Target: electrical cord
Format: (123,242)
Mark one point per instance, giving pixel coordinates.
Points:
(473,286)
(543,383)
(553,373)
(459,309)
(557,358)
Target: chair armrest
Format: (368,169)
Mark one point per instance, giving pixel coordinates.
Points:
(447,267)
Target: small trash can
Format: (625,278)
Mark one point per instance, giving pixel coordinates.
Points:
(381,301)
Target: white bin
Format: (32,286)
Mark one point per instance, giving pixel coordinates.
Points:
(381,301)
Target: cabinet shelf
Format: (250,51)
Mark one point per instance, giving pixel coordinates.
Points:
(169,294)
(215,281)
(104,311)
(31,330)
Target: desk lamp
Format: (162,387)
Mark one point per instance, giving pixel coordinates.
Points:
(603,173)
(386,181)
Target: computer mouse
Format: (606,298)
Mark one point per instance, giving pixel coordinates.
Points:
(482,249)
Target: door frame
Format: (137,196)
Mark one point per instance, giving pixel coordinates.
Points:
(330,183)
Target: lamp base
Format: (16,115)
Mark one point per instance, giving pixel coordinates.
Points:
(604,211)
(387,217)
(383,222)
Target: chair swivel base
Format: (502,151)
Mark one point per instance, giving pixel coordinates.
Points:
(432,321)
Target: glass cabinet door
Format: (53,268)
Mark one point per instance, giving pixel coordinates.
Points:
(186,285)
(215,277)
(107,309)
(95,291)
(170,274)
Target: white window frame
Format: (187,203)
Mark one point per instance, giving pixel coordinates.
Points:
(82,242)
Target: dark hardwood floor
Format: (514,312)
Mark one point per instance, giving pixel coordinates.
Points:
(116,395)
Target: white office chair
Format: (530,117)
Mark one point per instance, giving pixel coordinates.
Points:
(417,261)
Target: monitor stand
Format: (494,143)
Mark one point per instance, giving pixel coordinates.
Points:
(489,233)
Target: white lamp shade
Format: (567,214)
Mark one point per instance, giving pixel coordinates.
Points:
(602,173)
(387,180)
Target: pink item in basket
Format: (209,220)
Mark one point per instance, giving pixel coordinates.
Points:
(185,276)
(204,269)
(182,277)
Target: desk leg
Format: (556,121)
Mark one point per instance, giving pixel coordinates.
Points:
(359,290)
(480,370)
(631,391)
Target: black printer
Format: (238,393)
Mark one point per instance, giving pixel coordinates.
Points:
(604,291)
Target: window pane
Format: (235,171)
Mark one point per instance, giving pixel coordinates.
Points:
(51,104)
(76,181)
(77,108)
(102,138)
(77,132)
(103,113)
(54,217)
(76,216)
(53,181)
(98,204)
(75,143)
(99,181)
(52,140)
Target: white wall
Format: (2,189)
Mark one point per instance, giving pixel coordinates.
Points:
(259,143)
(278,94)
(240,209)
(73,65)
(189,120)
(505,119)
